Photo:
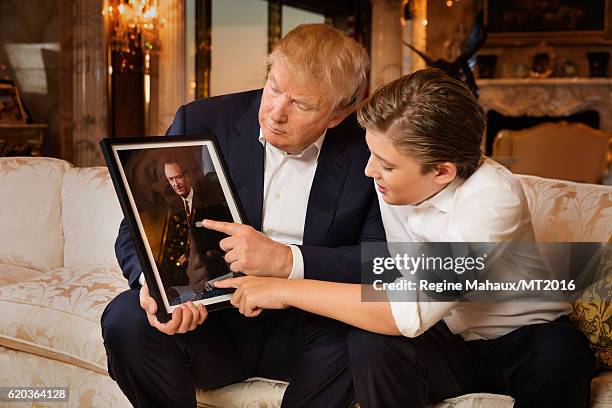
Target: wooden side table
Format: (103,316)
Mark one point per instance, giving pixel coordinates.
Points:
(21,139)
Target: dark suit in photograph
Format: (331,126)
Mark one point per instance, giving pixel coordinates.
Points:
(307,350)
(199,246)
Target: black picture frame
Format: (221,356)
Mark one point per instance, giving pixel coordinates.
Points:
(165,184)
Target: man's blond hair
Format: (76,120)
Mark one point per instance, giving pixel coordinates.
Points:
(326,59)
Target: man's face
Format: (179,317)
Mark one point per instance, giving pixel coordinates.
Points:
(178,179)
(292,117)
(398,176)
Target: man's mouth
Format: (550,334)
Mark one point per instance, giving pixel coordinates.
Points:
(381,188)
(274,130)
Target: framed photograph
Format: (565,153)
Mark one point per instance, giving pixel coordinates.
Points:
(554,21)
(11,106)
(166,186)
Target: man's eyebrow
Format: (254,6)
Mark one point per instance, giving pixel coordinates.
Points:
(272,80)
(299,99)
(305,101)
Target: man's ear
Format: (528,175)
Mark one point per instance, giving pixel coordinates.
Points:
(445,172)
(339,116)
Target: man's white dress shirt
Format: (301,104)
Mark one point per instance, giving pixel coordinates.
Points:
(489,206)
(189,201)
(287,182)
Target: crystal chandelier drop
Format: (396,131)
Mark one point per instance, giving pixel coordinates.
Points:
(134,25)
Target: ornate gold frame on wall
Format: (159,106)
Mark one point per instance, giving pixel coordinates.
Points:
(553,37)
(11,104)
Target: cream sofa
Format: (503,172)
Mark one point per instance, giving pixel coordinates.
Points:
(58,271)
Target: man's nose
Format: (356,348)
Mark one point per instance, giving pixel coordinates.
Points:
(279,111)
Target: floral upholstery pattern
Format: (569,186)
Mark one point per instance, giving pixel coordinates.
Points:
(563,211)
(86,388)
(90,215)
(57,315)
(477,400)
(252,393)
(58,272)
(592,312)
(10,274)
(31,216)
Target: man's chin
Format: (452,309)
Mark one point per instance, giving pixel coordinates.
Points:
(276,140)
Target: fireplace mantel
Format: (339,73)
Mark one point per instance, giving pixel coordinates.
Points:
(548,97)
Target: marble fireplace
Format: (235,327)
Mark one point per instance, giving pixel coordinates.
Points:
(586,100)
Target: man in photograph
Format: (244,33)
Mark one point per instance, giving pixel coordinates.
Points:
(175,250)
(295,155)
(191,256)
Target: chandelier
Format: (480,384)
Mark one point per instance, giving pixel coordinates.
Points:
(134,25)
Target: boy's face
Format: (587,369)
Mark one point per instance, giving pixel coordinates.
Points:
(398,176)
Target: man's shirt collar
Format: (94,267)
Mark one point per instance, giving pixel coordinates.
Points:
(189,198)
(316,145)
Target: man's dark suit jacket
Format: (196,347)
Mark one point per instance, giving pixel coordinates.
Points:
(342,207)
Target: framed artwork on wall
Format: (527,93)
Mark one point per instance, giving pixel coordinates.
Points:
(11,106)
(519,22)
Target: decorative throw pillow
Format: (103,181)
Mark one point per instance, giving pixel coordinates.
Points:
(592,312)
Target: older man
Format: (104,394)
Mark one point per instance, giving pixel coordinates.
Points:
(175,251)
(191,256)
(296,157)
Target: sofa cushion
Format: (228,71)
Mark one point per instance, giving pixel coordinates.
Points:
(255,392)
(10,274)
(91,215)
(86,388)
(260,392)
(31,212)
(58,314)
(476,400)
(592,311)
(563,211)
(601,391)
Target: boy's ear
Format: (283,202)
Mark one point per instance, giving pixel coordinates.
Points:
(445,172)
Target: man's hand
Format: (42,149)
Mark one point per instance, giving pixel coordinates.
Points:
(185,317)
(251,252)
(255,293)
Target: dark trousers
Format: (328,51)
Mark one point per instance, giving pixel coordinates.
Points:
(541,365)
(154,369)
